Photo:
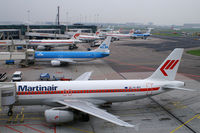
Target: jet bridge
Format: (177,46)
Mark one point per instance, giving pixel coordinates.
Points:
(27,57)
(7,94)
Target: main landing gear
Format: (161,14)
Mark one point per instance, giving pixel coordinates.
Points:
(85,117)
(10,112)
(71,47)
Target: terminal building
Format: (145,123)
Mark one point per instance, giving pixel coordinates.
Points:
(193,25)
(19,31)
(91,28)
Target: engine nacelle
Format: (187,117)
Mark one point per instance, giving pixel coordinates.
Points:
(55,63)
(58,116)
(41,48)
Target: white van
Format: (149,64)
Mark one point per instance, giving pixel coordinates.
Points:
(17,76)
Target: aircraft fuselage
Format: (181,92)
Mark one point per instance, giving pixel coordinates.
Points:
(40,92)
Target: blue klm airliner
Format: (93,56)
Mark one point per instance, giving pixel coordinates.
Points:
(58,57)
(142,35)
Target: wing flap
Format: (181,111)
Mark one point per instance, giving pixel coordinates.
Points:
(89,108)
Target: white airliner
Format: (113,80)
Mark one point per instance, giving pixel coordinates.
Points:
(118,36)
(89,38)
(138,34)
(46,44)
(83,96)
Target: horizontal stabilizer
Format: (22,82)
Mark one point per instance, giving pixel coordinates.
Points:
(177,88)
(84,76)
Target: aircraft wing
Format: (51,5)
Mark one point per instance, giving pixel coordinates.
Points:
(91,109)
(50,44)
(67,60)
(84,76)
(177,88)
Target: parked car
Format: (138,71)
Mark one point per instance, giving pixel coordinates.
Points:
(44,76)
(17,76)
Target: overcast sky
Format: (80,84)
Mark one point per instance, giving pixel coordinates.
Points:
(162,12)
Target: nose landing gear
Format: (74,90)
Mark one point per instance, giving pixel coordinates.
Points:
(10,112)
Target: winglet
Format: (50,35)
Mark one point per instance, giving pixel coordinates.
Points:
(137,127)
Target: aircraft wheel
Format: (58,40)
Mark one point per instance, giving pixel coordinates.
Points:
(70,47)
(75,47)
(10,113)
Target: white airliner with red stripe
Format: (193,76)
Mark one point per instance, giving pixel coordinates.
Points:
(117,36)
(89,38)
(46,44)
(83,96)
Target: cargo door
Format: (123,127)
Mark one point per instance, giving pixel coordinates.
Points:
(149,88)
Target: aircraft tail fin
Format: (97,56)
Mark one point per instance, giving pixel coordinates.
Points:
(97,33)
(131,31)
(104,47)
(120,30)
(168,69)
(76,35)
(149,31)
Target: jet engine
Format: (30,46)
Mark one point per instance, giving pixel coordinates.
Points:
(55,63)
(58,116)
(41,48)
(44,48)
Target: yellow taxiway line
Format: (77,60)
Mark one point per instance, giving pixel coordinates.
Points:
(196,116)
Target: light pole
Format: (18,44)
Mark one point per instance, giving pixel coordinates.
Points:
(28,28)
(67,14)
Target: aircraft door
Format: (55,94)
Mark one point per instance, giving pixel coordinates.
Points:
(149,88)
